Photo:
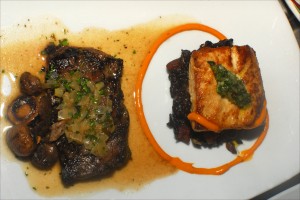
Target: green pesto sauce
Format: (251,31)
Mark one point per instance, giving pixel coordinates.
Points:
(230,86)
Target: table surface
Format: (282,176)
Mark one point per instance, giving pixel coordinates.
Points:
(295,24)
(291,188)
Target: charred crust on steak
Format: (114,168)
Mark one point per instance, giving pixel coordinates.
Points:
(78,163)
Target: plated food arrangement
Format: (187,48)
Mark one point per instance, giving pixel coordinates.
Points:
(88,94)
(210,98)
(224,98)
(77,115)
(166,161)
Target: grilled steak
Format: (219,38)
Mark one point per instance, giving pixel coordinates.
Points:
(97,69)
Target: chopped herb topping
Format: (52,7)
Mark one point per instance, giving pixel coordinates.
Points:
(43,69)
(53,37)
(43,52)
(63,42)
(65,31)
(86,107)
(230,86)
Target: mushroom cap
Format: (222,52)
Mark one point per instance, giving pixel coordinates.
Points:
(22,110)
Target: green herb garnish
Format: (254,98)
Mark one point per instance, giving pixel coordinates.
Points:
(63,42)
(230,86)
(87,108)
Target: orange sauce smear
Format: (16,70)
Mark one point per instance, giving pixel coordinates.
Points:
(193,116)
(177,162)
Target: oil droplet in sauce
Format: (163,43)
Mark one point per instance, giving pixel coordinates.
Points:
(20,51)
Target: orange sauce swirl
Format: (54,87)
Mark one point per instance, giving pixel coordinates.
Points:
(177,162)
(193,116)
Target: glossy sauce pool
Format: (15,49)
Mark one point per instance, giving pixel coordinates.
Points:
(21,52)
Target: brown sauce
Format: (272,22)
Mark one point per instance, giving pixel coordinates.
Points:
(132,44)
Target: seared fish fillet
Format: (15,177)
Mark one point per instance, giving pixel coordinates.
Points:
(206,101)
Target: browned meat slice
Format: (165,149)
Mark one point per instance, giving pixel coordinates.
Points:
(97,70)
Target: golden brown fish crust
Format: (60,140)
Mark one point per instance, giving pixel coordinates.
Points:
(240,60)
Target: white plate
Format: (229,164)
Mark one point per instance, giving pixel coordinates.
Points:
(262,25)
